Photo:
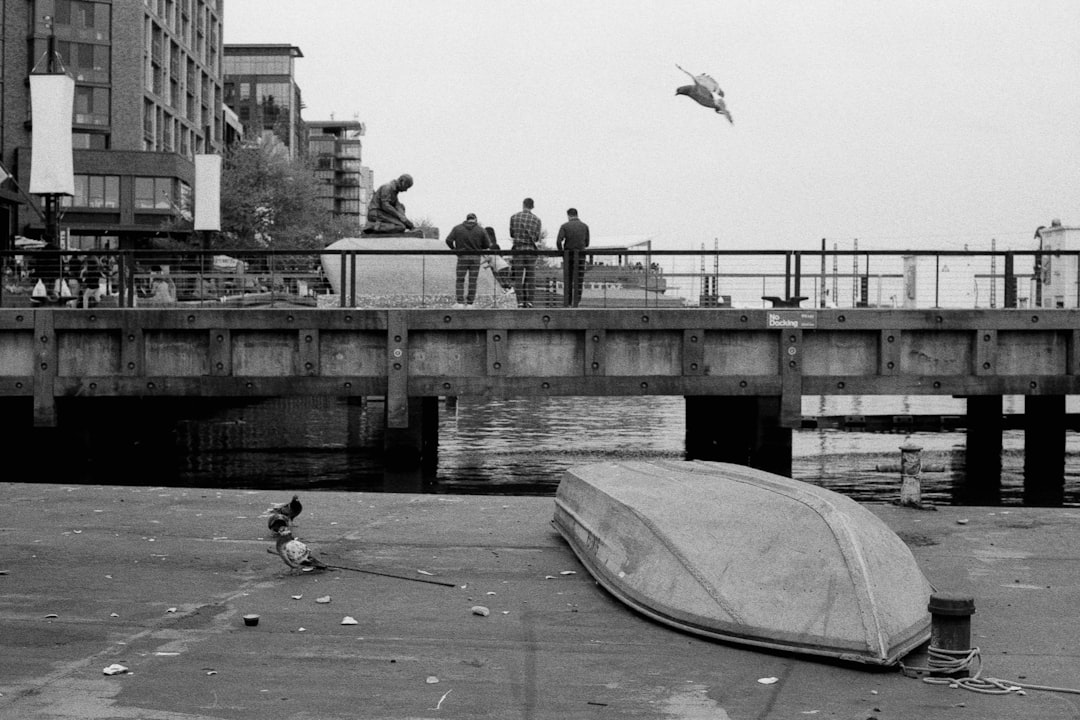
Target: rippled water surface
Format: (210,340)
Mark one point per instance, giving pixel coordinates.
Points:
(521,446)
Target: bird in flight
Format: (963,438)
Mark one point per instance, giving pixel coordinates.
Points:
(705,92)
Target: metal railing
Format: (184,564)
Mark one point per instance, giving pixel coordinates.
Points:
(615,277)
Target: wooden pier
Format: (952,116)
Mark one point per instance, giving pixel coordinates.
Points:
(743,372)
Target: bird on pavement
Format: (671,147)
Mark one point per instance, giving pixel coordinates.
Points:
(288,510)
(277,523)
(705,92)
(296,554)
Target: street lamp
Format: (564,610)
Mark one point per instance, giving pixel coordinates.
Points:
(52,95)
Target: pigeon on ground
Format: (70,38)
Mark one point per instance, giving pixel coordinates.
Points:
(296,554)
(706,92)
(288,510)
(277,523)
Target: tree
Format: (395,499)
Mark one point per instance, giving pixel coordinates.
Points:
(269,200)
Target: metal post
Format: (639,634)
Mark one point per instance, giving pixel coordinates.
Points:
(950,626)
(821,301)
(1010,281)
(911,475)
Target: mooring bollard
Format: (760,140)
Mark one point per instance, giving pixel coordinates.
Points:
(910,472)
(950,627)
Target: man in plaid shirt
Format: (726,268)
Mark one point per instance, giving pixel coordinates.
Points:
(525,232)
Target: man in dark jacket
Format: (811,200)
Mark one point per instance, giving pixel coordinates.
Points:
(466,237)
(386,215)
(573,238)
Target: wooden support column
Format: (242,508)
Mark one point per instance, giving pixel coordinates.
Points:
(740,430)
(46,359)
(416,445)
(982,481)
(397,370)
(1044,450)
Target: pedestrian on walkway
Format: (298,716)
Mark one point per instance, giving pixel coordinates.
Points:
(572,240)
(467,239)
(525,232)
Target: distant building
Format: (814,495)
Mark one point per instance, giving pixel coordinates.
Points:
(260,86)
(148,97)
(334,148)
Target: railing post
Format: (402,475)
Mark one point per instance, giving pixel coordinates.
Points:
(1010,281)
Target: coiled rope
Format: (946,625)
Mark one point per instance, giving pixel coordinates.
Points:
(955,661)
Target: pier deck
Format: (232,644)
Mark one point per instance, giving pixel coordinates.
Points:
(112,562)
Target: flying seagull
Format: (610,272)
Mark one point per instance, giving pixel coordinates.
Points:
(705,92)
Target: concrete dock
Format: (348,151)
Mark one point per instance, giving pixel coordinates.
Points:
(157,580)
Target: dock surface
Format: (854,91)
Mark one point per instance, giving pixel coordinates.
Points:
(158,579)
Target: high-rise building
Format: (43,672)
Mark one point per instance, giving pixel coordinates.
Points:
(148,97)
(334,148)
(260,86)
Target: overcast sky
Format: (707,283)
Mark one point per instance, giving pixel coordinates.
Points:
(905,124)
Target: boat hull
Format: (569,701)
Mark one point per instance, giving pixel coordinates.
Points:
(741,555)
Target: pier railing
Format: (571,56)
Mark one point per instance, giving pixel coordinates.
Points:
(615,277)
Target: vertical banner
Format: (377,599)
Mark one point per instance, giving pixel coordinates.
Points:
(51,163)
(207,192)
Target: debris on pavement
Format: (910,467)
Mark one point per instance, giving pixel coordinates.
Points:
(115,669)
(323,600)
(480,610)
(349,620)
(768,680)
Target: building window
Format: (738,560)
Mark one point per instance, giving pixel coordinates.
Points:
(153,193)
(89,141)
(95,191)
(85,61)
(91,105)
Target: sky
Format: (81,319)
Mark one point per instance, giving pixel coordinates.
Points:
(900,124)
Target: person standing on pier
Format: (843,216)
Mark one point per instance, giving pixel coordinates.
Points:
(573,238)
(525,232)
(465,239)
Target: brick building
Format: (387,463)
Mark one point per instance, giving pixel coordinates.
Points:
(148,97)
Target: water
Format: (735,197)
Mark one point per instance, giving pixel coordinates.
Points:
(522,446)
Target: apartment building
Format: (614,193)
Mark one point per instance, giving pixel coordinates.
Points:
(334,148)
(148,97)
(260,86)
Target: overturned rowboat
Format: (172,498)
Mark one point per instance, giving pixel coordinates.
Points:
(742,555)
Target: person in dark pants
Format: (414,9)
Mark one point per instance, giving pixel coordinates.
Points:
(573,238)
(467,236)
(525,232)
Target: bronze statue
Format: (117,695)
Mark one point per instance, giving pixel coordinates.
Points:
(386,214)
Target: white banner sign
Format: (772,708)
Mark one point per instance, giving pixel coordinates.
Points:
(51,163)
(207,192)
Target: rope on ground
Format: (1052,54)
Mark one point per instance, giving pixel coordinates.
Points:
(955,661)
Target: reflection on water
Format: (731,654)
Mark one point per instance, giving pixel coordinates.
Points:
(522,445)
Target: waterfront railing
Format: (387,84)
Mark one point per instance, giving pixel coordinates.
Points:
(614,277)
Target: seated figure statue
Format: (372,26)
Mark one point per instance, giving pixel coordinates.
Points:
(386,215)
